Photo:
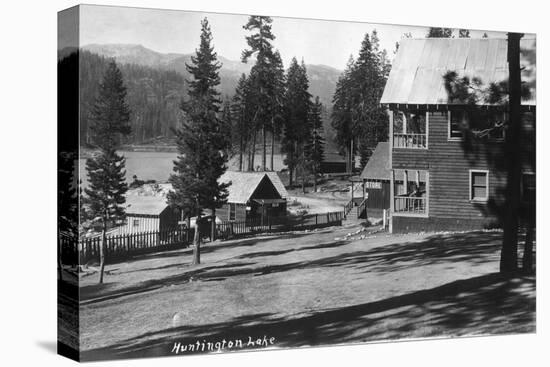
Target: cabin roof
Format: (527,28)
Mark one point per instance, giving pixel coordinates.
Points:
(150,205)
(417,71)
(378,166)
(243,184)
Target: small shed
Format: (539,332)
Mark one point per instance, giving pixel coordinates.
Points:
(148,213)
(253,195)
(376,178)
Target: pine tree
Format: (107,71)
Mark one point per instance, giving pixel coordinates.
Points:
(202,142)
(341,117)
(369,120)
(296,124)
(315,147)
(262,76)
(277,80)
(105,195)
(240,124)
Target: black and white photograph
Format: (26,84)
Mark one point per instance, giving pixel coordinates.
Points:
(235,182)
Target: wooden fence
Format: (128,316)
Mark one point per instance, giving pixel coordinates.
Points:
(122,247)
(126,245)
(228,230)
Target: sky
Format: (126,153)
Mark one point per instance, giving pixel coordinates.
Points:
(174,31)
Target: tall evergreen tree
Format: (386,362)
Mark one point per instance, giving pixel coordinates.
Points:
(369,119)
(341,117)
(277,80)
(315,147)
(105,195)
(240,123)
(202,142)
(262,76)
(296,122)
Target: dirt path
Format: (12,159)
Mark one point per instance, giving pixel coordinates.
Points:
(306,289)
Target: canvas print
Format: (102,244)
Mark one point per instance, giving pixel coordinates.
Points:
(233,182)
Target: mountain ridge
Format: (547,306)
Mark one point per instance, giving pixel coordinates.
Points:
(322,78)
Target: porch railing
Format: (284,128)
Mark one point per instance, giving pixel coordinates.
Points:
(410,204)
(410,141)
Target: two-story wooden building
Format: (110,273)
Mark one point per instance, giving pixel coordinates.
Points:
(455,179)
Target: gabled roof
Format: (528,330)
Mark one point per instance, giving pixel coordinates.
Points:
(150,205)
(378,166)
(243,184)
(276,180)
(417,71)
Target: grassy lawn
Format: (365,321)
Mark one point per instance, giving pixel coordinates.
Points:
(306,288)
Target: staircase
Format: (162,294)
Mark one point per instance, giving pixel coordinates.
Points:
(355,213)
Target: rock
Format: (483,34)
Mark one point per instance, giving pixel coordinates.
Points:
(177,319)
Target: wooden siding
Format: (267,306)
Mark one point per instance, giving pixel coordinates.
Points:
(240,212)
(449,171)
(433,224)
(136,223)
(378,198)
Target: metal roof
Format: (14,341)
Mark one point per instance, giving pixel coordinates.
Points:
(150,205)
(378,166)
(243,184)
(417,71)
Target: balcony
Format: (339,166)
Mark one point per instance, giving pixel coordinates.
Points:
(412,141)
(410,204)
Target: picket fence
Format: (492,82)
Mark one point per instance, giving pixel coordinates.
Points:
(122,247)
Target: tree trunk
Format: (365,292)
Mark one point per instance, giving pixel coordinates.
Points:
(290,178)
(264,146)
(351,158)
(102,251)
(59,255)
(188,228)
(253,148)
(241,154)
(213,226)
(315,182)
(528,247)
(509,256)
(272,146)
(197,242)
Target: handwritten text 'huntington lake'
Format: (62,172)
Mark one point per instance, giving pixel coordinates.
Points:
(206,346)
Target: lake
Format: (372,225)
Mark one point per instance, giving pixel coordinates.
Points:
(158,165)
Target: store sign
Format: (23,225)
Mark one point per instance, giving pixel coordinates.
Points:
(373,185)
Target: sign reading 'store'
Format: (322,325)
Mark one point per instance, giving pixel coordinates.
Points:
(373,185)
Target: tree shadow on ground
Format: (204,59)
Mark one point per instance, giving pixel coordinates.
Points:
(488,304)
(472,247)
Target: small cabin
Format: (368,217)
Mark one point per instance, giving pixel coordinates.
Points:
(253,195)
(148,213)
(376,178)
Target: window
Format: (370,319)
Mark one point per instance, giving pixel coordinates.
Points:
(528,184)
(135,223)
(410,129)
(481,123)
(458,121)
(479,185)
(232,211)
(410,193)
